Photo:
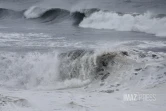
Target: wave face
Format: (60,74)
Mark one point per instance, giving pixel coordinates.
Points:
(146,22)
(55,15)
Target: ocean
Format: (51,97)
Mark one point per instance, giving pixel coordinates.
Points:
(101,46)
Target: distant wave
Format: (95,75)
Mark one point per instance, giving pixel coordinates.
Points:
(44,15)
(37,12)
(147,22)
(8,13)
(57,14)
(94,18)
(100,19)
(53,14)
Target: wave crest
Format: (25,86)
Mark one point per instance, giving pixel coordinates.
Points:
(34,12)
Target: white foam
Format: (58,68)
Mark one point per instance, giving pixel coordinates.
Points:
(29,70)
(127,22)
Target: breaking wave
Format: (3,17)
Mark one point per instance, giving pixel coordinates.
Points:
(147,22)
(80,67)
(57,14)
(37,12)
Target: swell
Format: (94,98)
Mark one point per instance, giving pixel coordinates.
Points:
(9,13)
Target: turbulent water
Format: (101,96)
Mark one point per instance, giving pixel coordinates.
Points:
(74,43)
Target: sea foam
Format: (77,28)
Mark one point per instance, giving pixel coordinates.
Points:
(146,22)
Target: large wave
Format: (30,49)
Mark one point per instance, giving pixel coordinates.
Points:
(53,14)
(81,67)
(57,14)
(146,22)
